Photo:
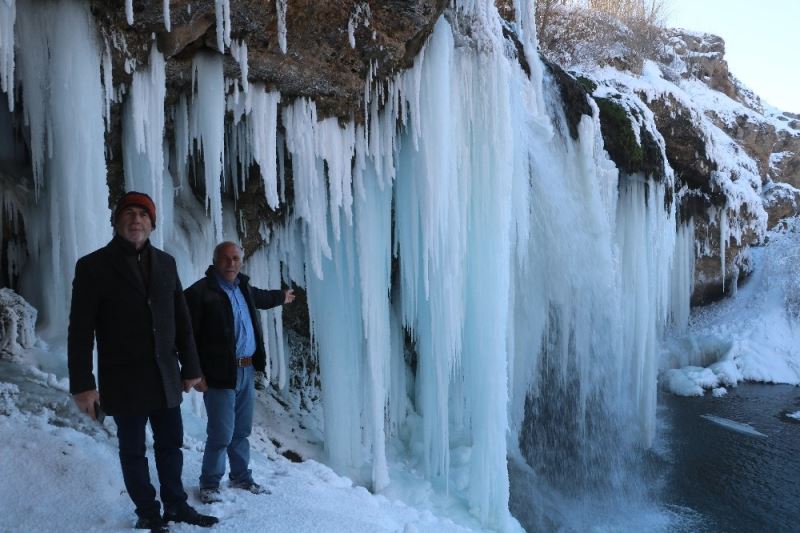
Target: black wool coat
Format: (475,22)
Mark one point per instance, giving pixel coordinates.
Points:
(145,346)
(214,333)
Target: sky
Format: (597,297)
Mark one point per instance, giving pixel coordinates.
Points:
(761,41)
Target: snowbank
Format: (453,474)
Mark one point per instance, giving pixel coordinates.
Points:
(61,470)
(752,336)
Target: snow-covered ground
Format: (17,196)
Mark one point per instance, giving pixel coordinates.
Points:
(753,335)
(60,471)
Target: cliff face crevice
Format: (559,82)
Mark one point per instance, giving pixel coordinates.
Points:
(320,60)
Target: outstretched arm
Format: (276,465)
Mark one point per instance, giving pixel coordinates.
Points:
(269,299)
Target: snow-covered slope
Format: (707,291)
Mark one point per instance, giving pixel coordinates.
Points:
(60,469)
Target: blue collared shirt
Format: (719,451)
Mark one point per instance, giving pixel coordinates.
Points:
(242,322)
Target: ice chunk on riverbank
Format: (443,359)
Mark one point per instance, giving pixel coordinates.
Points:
(689,381)
(733,425)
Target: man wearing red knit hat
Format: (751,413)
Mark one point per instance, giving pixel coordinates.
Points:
(127,297)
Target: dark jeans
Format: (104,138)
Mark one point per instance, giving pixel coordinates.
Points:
(167,427)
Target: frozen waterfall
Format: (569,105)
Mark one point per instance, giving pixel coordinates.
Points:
(533,281)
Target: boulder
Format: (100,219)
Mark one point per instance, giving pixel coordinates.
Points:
(781,201)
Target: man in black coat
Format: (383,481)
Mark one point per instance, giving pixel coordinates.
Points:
(128,297)
(223,306)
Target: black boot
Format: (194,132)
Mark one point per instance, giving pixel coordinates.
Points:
(186,513)
(154,523)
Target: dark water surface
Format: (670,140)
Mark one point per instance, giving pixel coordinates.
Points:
(735,481)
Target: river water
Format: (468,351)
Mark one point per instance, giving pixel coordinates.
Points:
(731,477)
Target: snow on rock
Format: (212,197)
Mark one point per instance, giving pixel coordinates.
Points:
(795,415)
(17,324)
(752,336)
(9,393)
(781,201)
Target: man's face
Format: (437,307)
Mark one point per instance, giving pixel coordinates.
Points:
(228,262)
(134,225)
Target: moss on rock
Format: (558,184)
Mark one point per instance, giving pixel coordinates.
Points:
(625,150)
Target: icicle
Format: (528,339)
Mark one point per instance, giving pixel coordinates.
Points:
(340,339)
(723,242)
(311,198)
(182,141)
(108,84)
(264,270)
(239,53)
(359,15)
(167,23)
(262,123)
(129,11)
(143,134)
(280,7)
(222,9)
(373,246)
(336,146)
(208,126)
(430,223)
(7,18)
(682,277)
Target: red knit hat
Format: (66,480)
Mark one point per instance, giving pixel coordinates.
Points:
(138,199)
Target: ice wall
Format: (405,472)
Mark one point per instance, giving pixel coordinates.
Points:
(533,281)
(59,69)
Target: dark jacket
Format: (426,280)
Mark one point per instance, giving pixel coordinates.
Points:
(212,323)
(143,332)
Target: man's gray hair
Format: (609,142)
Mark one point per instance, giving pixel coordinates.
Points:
(218,248)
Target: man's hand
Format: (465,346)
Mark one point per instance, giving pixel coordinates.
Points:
(189,383)
(288,296)
(201,385)
(86,400)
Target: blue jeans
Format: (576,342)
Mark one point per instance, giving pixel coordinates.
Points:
(230,419)
(167,441)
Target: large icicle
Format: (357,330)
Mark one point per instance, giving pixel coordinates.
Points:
(59,65)
(311,197)
(143,138)
(373,245)
(262,123)
(208,126)
(431,219)
(340,338)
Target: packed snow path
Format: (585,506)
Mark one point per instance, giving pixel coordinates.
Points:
(60,470)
